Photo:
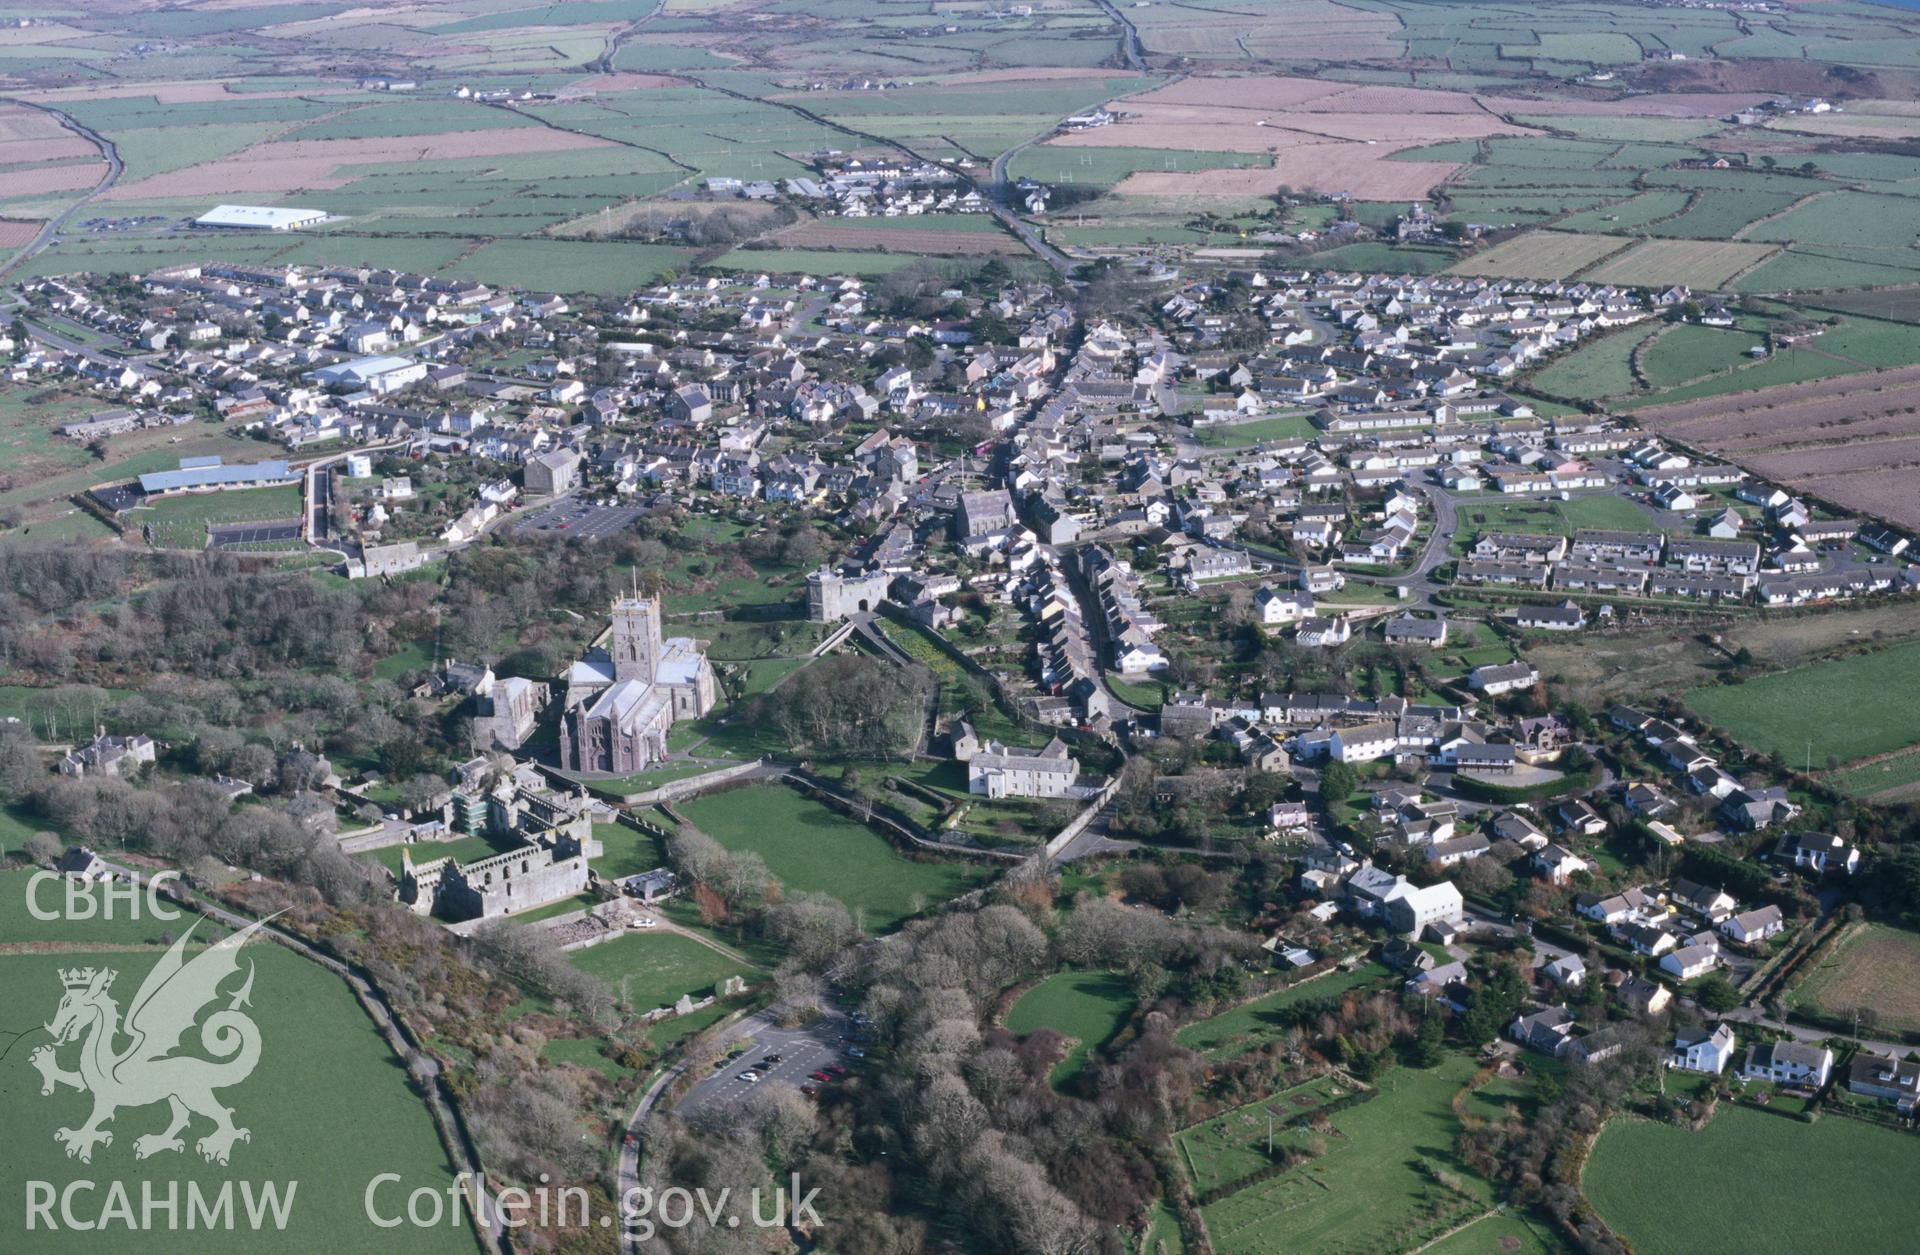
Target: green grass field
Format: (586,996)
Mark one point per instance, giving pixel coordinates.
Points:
(1375,1188)
(653,969)
(1244,1026)
(626,851)
(1281,427)
(181,522)
(1886,775)
(1601,368)
(1756,1183)
(1507,1233)
(1688,352)
(1089,1007)
(1233,1145)
(811,848)
(328,1106)
(1849,708)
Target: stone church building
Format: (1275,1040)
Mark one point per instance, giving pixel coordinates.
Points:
(621,700)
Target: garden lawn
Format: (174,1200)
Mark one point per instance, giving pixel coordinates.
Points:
(1849,708)
(1088,1007)
(1756,1183)
(653,969)
(1264,1016)
(1376,1188)
(810,848)
(626,851)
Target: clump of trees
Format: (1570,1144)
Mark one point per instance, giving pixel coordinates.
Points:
(851,707)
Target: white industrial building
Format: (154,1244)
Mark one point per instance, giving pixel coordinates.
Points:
(259,218)
(375,374)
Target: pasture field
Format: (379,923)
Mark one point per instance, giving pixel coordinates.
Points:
(1849,707)
(811,848)
(1599,368)
(1885,779)
(1876,968)
(1233,1145)
(1751,1181)
(569,265)
(1685,353)
(1702,264)
(1389,258)
(1639,212)
(1719,215)
(1846,219)
(328,1106)
(1540,255)
(1088,1007)
(1241,1028)
(28,415)
(181,522)
(648,970)
(1388,1181)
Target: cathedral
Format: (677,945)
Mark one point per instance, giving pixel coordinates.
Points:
(622,700)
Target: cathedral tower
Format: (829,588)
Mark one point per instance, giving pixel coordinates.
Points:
(636,638)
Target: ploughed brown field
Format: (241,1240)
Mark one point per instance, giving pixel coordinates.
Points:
(1853,439)
(1331,135)
(289,165)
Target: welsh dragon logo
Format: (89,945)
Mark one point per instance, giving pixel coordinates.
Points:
(146,1070)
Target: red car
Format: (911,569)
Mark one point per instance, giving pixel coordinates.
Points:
(808,1090)
(822,1077)
(837,1070)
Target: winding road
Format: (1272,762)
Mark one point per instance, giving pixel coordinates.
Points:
(53,225)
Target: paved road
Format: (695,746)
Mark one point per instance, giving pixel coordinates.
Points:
(802,1051)
(114,170)
(1800,1032)
(1129,36)
(1096,625)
